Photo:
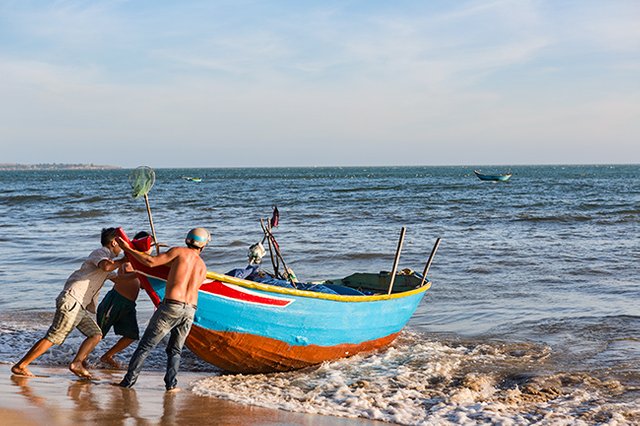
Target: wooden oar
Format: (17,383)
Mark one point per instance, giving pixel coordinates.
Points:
(396,260)
(428,265)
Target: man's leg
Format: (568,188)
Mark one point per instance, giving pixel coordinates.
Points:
(87,326)
(40,347)
(174,348)
(77,365)
(159,325)
(119,346)
(124,321)
(173,361)
(64,320)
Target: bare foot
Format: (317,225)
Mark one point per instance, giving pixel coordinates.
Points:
(110,361)
(173,390)
(78,369)
(21,371)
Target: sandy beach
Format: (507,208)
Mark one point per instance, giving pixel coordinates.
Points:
(62,399)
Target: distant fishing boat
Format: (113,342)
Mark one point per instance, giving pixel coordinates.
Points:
(499,177)
(192,179)
(245,326)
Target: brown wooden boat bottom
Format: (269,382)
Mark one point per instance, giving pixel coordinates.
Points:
(247,353)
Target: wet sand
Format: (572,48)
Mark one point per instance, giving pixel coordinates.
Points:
(62,399)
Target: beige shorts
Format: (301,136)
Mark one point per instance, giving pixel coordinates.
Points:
(69,315)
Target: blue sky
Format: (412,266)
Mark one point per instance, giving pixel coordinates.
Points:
(303,83)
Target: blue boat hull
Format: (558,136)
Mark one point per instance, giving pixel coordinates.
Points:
(247,327)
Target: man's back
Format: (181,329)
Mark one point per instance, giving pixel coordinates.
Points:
(187,274)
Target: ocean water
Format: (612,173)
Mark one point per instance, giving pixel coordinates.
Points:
(533,315)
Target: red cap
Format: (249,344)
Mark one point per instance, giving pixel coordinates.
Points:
(142,244)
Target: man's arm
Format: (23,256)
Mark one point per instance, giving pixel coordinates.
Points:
(147,259)
(91,307)
(121,278)
(109,265)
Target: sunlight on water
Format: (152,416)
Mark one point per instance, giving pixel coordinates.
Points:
(532,316)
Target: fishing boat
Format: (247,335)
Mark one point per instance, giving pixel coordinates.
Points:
(493,177)
(245,326)
(192,179)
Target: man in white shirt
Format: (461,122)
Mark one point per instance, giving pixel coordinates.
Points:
(76,305)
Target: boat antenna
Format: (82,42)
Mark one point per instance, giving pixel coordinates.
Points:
(141,180)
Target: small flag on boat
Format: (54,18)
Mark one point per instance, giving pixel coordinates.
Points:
(275,218)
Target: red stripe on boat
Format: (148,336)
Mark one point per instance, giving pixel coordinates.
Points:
(242,295)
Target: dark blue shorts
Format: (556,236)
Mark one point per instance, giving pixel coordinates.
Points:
(118,312)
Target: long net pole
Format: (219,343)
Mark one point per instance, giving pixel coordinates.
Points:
(153,229)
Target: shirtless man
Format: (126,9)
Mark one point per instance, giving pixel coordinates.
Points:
(75,306)
(118,308)
(175,313)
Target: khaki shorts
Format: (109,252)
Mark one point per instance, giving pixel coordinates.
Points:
(69,315)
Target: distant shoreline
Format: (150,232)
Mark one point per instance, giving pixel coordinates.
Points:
(55,166)
(471,167)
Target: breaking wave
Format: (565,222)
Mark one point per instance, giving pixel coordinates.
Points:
(422,381)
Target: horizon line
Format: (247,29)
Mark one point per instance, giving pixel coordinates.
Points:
(10,166)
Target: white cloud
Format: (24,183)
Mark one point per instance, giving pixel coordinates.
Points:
(487,79)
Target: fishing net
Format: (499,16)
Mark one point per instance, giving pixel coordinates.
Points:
(141,180)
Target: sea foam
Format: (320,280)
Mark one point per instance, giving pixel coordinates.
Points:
(422,382)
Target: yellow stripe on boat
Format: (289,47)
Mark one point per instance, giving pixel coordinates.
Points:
(304,293)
